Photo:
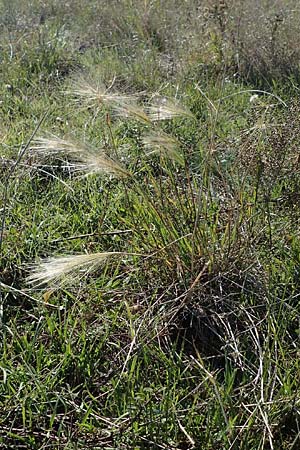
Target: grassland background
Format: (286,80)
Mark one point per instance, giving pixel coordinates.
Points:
(194,344)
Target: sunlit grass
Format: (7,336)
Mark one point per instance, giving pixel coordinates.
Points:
(154,303)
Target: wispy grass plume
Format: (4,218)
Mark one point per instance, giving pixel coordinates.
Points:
(93,93)
(62,270)
(131,110)
(84,156)
(164,108)
(163,143)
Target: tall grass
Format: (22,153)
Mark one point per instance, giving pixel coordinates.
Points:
(161,216)
(203,233)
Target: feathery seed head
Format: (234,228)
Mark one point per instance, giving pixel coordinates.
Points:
(63,269)
(84,156)
(164,109)
(131,110)
(94,93)
(160,142)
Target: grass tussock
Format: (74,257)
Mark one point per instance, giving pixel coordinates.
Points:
(173,323)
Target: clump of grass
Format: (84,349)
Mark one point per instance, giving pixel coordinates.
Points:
(195,344)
